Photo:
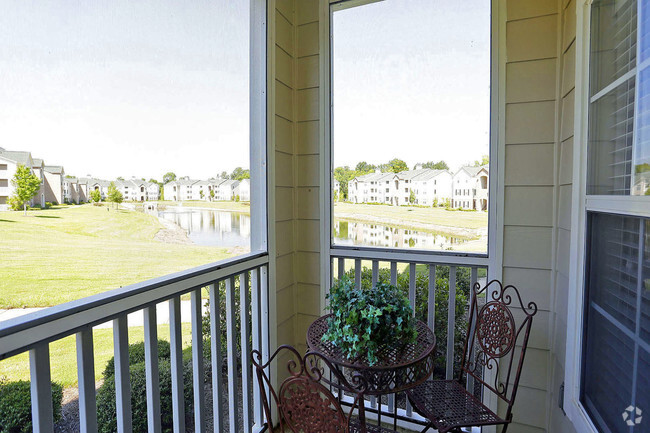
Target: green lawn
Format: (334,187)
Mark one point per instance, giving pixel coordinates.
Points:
(407,214)
(53,256)
(63,354)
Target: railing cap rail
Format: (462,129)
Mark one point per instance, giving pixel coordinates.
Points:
(50,314)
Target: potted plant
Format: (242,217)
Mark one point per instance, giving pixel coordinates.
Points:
(364,321)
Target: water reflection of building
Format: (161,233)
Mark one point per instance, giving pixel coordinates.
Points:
(377,235)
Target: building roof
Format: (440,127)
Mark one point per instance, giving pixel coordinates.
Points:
(430,174)
(230,182)
(374,177)
(24,158)
(37,162)
(54,169)
(473,171)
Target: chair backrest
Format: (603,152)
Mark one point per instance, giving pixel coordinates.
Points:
(303,403)
(496,342)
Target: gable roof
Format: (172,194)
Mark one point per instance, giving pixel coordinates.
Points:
(473,171)
(54,169)
(24,158)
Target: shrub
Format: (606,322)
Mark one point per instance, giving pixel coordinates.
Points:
(48,205)
(106,411)
(15,203)
(16,405)
(136,355)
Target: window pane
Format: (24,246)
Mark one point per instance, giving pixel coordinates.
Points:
(645,289)
(645,32)
(608,370)
(613,266)
(613,41)
(641,182)
(407,77)
(616,363)
(611,123)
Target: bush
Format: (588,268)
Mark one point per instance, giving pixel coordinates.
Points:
(48,205)
(106,412)
(15,203)
(136,356)
(16,405)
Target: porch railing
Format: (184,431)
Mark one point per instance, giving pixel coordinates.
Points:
(35,331)
(422,275)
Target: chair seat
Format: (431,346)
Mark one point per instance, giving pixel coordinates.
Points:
(449,406)
(355,427)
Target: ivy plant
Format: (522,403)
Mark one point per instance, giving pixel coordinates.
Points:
(364,320)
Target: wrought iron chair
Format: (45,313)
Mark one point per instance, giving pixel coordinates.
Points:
(303,403)
(496,344)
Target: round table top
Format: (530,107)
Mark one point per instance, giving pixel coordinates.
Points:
(400,366)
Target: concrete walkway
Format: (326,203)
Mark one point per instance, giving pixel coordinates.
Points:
(134,319)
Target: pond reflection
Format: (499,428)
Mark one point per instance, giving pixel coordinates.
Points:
(377,235)
(211,227)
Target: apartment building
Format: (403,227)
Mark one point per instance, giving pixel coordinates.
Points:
(470,188)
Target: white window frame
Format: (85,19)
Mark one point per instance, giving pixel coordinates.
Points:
(582,204)
(493,259)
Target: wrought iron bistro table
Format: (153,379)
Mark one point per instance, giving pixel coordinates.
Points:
(400,366)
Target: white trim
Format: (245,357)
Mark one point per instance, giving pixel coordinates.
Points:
(620,80)
(325,149)
(270,172)
(582,203)
(494,258)
(572,406)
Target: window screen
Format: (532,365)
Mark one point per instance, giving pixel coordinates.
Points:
(617,328)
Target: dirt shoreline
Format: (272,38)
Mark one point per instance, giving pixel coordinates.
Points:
(172,233)
(453,231)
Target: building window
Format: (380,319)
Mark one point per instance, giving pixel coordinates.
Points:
(3,167)
(616,330)
(4,183)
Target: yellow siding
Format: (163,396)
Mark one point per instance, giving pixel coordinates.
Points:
(307,167)
(529,193)
(282,63)
(564,154)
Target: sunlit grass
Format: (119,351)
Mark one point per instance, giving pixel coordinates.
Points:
(54,256)
(63,354)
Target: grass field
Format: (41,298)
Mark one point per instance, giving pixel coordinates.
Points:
(53,256)
(405,215)
(63,354)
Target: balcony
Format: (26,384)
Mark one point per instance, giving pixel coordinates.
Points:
(538,227)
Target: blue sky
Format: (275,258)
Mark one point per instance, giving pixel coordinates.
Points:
(124,88)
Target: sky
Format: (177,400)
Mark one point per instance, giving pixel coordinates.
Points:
(124,88)
(411,79)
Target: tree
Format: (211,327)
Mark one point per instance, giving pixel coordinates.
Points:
(344,175)
(412,197)
(211,195)
(440,165)
(96,196)
(364,168)
(120,178)
(485,160)
(224,175)
(114,195)
(240,174)
(395,165)
(26,186)
(169,177)
(201,194)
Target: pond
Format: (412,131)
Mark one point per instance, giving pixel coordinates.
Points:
(210,227)
(378,235)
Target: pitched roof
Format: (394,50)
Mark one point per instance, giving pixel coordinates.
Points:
(24,158)
(54,169)
(473,171)
(430,174)
(37,162)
